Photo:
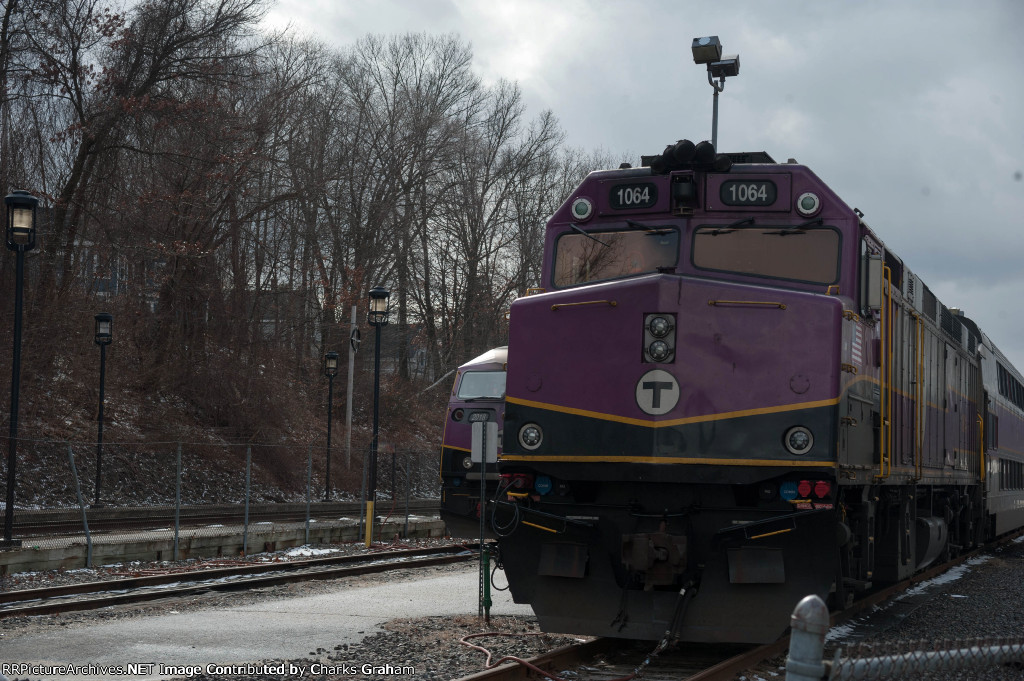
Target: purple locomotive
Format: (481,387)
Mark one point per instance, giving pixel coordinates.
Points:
(478,394)
(731,395)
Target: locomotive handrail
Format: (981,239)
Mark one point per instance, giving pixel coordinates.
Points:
(919,406)
(767,303)
(885,374)
(785,519)
(609,303)
(981,449)
(519,509)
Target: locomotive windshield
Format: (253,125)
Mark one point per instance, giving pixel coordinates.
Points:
(595,256)
(482,385)
(783,253)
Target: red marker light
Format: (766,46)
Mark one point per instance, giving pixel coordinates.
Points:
(522,481)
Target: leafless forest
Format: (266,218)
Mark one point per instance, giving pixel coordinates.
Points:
(228,195)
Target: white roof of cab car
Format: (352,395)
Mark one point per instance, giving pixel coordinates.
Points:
(493,356)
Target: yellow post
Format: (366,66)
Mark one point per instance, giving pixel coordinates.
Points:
(369,522)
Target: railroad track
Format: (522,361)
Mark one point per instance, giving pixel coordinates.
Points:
(69,520)
(615,660)
(94,595)
(606,659)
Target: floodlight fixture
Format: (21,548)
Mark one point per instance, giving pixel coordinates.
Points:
(728,66)
(706,50)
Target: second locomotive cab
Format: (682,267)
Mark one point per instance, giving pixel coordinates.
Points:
(731,394)
(478,394)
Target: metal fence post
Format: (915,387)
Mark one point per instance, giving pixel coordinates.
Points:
(177,502)
(362,497)
(809,623)
(81,505)
(408,488)
(309,488)
(245,528)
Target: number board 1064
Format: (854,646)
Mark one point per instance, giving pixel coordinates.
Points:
(748,193)
(633,196)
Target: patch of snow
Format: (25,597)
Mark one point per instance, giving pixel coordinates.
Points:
(950,575)
(946,577)
(308,551)
(841,631)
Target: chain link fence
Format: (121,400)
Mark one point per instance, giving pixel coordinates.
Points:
(905,661)
(67,493)
(923,660)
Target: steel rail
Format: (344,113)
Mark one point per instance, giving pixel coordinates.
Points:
(49,600)
(726,670)
(551,661)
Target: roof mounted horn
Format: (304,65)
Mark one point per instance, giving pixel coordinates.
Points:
(685,155)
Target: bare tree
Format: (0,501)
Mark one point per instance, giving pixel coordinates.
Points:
(236,193)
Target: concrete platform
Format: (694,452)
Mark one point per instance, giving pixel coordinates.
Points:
(40,554)
(275,629)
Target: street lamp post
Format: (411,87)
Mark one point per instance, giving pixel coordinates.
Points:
(331,370)
(104,325)
(708,50)
(21,237)
(377,317)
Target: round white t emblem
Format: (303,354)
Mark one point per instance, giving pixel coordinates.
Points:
(657,392)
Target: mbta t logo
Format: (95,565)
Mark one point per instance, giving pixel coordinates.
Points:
(657,392)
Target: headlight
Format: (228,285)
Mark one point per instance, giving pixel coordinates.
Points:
(659,337)
(659,351)
(530,436)
(582,209)
(798,440)
(467,462)
(807,204)
(659,327)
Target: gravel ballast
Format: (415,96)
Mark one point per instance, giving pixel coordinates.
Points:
(981,599)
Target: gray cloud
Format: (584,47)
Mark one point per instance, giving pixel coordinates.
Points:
(910,110)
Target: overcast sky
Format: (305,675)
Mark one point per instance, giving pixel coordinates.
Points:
(913,111)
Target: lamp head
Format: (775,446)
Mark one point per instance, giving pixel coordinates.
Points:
(104,328)
(727,66)
(706,50)
(378,315)
(331,363)
(21,220)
